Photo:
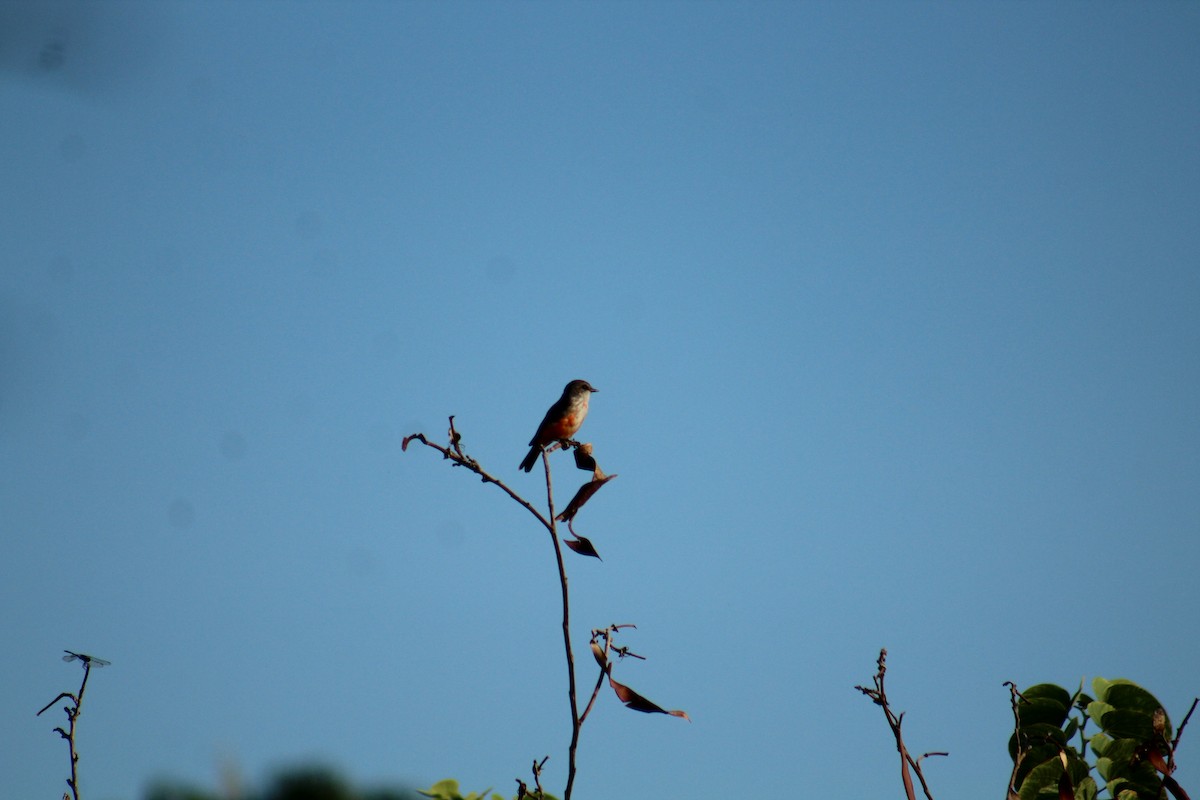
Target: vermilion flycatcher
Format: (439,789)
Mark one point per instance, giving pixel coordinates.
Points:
(562,421)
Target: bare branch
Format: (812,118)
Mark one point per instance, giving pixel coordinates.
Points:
(1021,748)
(879,696)
(455,453)
(55,700)
(1182,725)
(73,711)
(460,459)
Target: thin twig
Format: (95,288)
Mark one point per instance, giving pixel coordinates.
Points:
(73,710)
(1182,725)
(55,700)
(595,693)
(879,696)
(462,460)
(537,776)
(1169,781)
(1021,747)
(602,660)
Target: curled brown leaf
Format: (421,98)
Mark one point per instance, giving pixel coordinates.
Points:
(598,654)
(582,496)
(583,546)
(638,703)
(584,458)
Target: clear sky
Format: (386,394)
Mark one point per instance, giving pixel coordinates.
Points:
(894,310)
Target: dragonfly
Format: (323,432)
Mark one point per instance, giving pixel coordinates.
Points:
(88,661)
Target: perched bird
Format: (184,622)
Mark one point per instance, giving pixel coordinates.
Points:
(561,421)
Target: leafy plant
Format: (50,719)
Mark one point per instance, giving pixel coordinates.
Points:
(1132,753)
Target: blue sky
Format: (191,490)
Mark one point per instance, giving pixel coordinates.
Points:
(892,307)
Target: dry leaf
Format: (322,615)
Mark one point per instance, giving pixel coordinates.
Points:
(583,546)
(638,703)
(582,496)
(584,459)
(598,652)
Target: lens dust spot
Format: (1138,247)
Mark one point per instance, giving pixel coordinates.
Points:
(53,55)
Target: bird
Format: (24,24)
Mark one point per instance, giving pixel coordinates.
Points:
(561,421)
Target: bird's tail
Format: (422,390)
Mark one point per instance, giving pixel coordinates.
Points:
(531,459)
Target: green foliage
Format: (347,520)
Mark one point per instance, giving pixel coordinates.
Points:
(173,791)
(300,783)
(310,783)
(1050,747)
(448,790)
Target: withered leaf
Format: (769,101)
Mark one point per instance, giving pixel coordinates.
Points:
(1066,791)
(584,459)
(582,496)
(583,546)
(598,653)
(638,703)
(1157,761)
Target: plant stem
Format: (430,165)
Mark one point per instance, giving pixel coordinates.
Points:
(74,715)
(566,628)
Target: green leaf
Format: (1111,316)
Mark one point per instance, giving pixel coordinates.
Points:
(1123,750)
(1044,734)
(1072,728)
(1086,789)
(1097,709)
(443,790)
(1042,780)
(1043,710)
(1043,776)
(1042,744)
(1100,687)
(1123,723)
(1123,773)
(1099,743)
(1120,752)
(1128,695)
(482,796)
(1047,691)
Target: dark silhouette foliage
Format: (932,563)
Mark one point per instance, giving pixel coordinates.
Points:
(305,782)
